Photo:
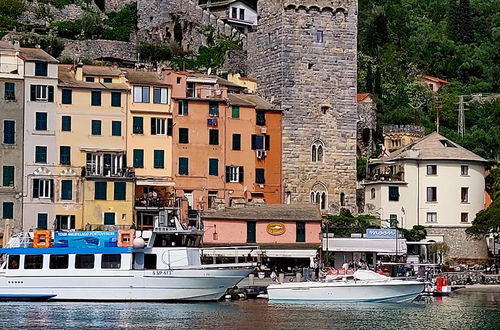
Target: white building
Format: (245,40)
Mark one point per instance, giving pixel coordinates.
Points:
(237,13)
(40,123)
(434,183)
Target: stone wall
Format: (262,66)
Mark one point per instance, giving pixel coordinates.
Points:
(314,83)
(100,50)
(461,248)
(366,125)
(116,5)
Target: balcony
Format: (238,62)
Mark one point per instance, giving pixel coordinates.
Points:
(92,171)
(207,92)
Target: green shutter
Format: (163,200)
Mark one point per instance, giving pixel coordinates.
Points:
(236,112)
(100,192)
(66,190)
(159,156)
(251,231)
(66,124)
(96,98)
(40,154)
(170,124)
(8,210)
(109,219)
(183,166)
(9,132)
(236,142)
(42,221)
(300,231)
(137,125)
(116,99)
(67,96)
(120,191)
(213,166)
(96,127)
(65,155)
(8,176)
(138,158)
(116,128)
(259,176)
(183,135)
(10,91)
(213,137)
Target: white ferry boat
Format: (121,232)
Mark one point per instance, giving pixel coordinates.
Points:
(115,266)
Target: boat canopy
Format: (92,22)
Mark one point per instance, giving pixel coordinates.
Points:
(368,275)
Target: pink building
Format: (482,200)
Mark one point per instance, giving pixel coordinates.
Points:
(288,235)
(433,83)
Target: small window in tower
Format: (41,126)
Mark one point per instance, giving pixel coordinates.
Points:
(324,109)
(319,36)
(310,66)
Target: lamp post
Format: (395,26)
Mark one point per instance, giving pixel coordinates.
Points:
(495,234)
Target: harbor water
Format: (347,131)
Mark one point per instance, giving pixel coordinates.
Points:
(462,310)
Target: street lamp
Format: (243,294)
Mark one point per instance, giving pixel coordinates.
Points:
(495,233)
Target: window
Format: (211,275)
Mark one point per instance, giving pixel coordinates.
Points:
(66,190)
(160,95)
(393,220)
(261,118)
(183,108)
(236,141)
(213,166)
(464,170)
(300,232)
(179,80)
(42,221)
(235,113)
(431,169)
(372,193)
(42,93)
(317,152)
(393,193)
(184,135)
(14,261)
(319,36)
(58,261)
(213,137)
(96,98)
(170,124)
(33,261)
(116,128)
(40,121)
(183,166)
(342,199)
(431,194)
(66,123)
(107,80)
(67,96)
(10,91)
(65,155)
(8,176)
(100,190)
(432,217)
(109,219)
(251,231)
(110,261)
(234,12)
(41,154)
(43,188)
(120,191)
(116,99)
(212,198)
(258,142)
(464,195)
(150,260)
(138,158)
(89,79)
(137,125)
(65,222)
(9,132)
(447,144)
(141,94)
(84,261)
(158,126)
(96,127)
(259,176)
(159,159)
(41,69)
(234,174)
(464,217)
(319,196)
(242,14)
(213,109)
(8,210)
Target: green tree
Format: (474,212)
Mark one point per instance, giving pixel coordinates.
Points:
(466,28)
(453,21)
(11,8)
(345,224)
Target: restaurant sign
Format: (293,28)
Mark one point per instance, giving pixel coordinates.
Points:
(382,233)
(276,228)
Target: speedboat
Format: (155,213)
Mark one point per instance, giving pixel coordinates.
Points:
(163,264)
(362,286)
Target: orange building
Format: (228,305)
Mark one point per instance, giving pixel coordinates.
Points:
(226,145)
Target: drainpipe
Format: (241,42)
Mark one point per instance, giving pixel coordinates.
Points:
(418,192)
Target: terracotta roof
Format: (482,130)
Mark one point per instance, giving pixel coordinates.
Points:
(36,54)
(434,147)
(145,78)
(67,79)
(93,70)
(250,100)
(362,97)
(273,212)
(435,79)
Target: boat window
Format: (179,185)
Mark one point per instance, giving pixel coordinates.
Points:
(165,240)
(150,261)
(84,261)
(33,262)
(59,261)
(111,261)
(13,262)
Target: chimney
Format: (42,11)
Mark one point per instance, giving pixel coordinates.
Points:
(79,71)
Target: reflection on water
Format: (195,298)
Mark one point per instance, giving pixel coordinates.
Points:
(460,311)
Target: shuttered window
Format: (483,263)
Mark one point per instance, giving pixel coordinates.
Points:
(170,125)
(10,91)
(183,108)
(41,69)
(66,123)
(100,191)
(183,135)
(300,232)
(159,159)
(393,193)
(183,166)
(40,121)
(96,127)
(236,142)
(116,99)
(9,132)
(138,158)
(213,166)
(116,128)
(66,190)
(96,98)
(7,176)
(259,176)
(137,125)
(160,95)
(213,109)
(42,221)
(67,96)
(235,113)
(120,191)
(8,210)
(65,155)
(213,137)
(41,154)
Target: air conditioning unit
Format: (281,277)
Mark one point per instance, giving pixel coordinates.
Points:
(261,154)
(263,130)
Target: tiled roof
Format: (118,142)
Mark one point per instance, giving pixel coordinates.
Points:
(145,77)
(434,147)
(435,79)
(272,212)
(93,70)
(67,79)
(36,54)
(250,100)
(362,97)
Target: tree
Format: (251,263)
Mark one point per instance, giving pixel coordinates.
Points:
(465,26)
(416,234)
(453,21)
(369,79)
(345,224)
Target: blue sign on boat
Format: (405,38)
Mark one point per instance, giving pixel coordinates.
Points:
(86,239)
(382,233)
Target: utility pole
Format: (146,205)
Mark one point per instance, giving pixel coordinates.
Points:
(461,115)
(438,104)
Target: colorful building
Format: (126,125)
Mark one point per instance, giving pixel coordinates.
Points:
(11,147)
(91,142)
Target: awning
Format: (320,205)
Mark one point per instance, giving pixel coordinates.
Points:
(268,253)
(100,149)
(155,183)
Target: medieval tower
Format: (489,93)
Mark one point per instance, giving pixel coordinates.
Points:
(304,58)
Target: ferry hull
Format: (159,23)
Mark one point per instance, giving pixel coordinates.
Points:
(151,285)
(395,291)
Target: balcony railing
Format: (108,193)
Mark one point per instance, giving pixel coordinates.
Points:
(386,177)
(91,170)
(151,201)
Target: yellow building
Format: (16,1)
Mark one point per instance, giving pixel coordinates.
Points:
(149,144)
(398,136)
(91,142)
(249,83)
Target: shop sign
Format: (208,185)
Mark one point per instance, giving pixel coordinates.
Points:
(382,233)
(276,228)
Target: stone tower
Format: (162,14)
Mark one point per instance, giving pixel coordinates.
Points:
(304,58)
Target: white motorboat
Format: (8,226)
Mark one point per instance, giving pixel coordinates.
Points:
(113,266)
(362,286)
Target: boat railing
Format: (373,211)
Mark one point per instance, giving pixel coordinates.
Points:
(233,251)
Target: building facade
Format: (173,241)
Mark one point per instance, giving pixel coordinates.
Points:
(239,14)
(304,59)
(11,147)
(398,136)
(433,183)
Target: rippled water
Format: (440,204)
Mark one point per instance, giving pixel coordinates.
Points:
(459,311)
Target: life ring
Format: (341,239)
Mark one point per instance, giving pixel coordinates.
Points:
(42,239)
